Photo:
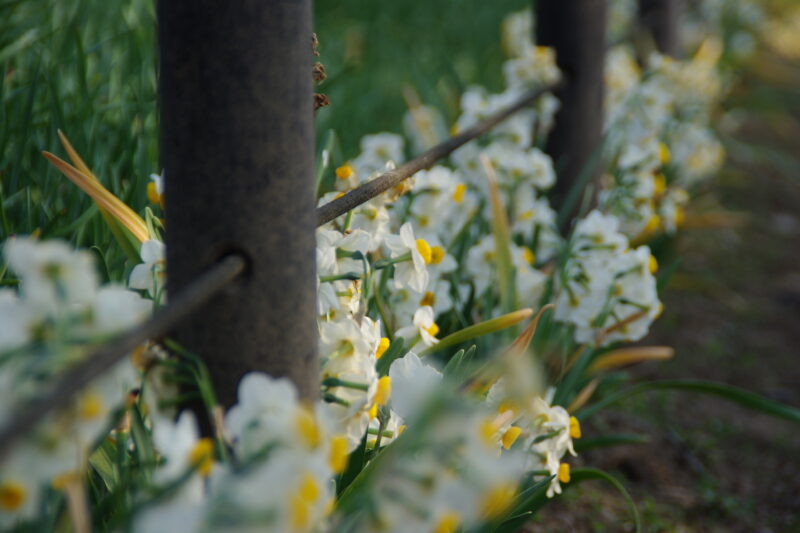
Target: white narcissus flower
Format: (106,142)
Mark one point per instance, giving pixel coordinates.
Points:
(376,151)
(412,273)
(423,328)
(262,414)
(413,383)
(155,189)
(536,67)
(151,273)
(52,274)
(117,309)
(608,297)
(21,484)
(534,216)
(348,370)
(598,233)
(180,445)
(17,321)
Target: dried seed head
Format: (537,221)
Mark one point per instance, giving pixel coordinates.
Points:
(320,100)
(318,72)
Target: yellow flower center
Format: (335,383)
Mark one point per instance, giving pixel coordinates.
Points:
(437,255)
(510,436)
(301,501)
(424,250)
(506,405)
(660,184)
(652,264)
(663,153)
(307,427)
(12,495)
(458,194)
(309,488)
(373,411)
(529,256)
(384,390)
(487,433)
(338,455)
(428,299)
(497,500)
(344,172)
(574,428)
(433,330)
(202,456)
(563,473)
(152,193)
(383,345)
(653,224)
(448,523)
(90,406)
(680,216)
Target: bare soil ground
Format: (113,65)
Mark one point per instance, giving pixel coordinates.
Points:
(732,313)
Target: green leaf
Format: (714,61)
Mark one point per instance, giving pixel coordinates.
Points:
(605,441)
(477,330)
(105,466)
(502,240)
(22,42)
(324,158)
(529,501)
(742,397)
(143,443)
(452,365)
(394,351)
(580,475)
(569,384)
(355,464)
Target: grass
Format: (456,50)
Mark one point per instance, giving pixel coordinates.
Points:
(88,67)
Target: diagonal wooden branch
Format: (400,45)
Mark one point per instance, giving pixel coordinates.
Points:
(386,181)
(102,359)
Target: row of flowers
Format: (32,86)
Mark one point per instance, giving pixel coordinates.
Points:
(409,434)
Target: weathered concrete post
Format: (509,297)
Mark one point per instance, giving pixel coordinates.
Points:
(659,18)
(577,31)
(237,151)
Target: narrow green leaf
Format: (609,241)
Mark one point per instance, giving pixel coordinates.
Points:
(529,501)
(742,397)
(502,241)
(479,329)
(452,365)
(605,441)
(22,42)
(394,351)
(324,159)
(105,466)
(355,464)
(580,475)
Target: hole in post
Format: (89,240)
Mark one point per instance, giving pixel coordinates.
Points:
(235,251)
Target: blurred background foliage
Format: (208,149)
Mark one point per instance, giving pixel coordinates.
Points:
(88,67)
(372,50)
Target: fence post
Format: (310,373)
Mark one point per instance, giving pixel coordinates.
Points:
(237,152)
(577,31)
(659,18)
